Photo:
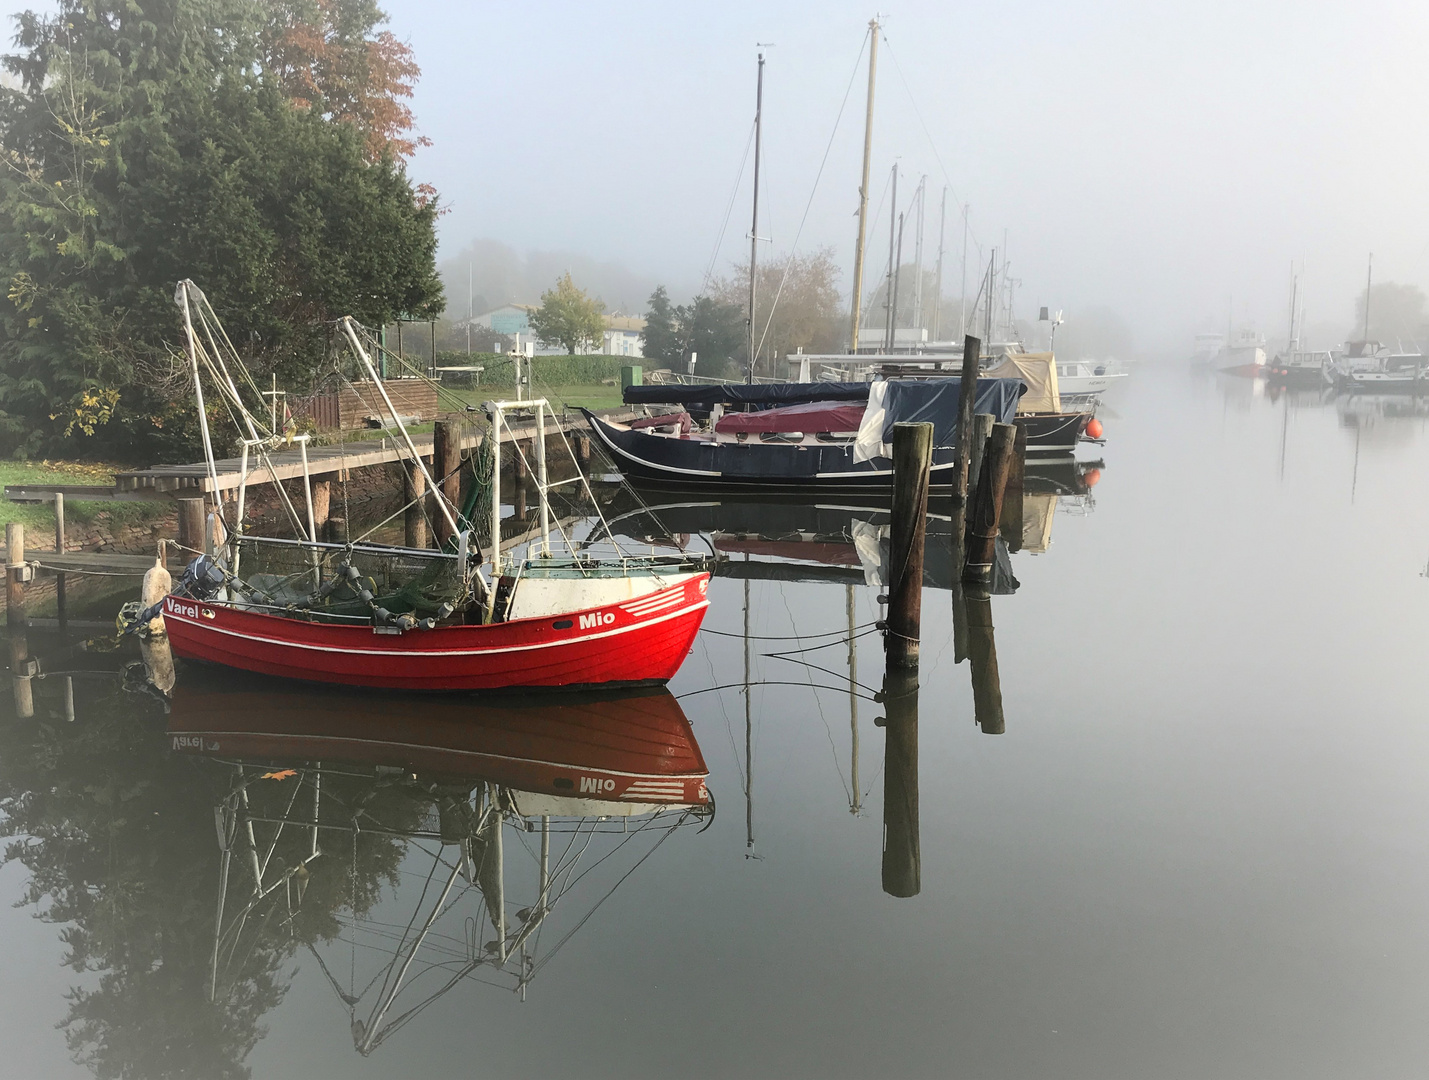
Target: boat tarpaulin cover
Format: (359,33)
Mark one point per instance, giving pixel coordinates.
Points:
(934,401)
(811,416)
(672,419)
(1039,372)
(704,397)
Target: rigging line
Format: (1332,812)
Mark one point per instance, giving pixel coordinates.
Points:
(841,634)
(780,682)
(403,940)
(789,261)
(728,212)
(823,719)
(826,671)
(547,958)
(626,838)
(826,645)
(926,133)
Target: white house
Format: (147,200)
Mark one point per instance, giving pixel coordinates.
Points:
(622,335)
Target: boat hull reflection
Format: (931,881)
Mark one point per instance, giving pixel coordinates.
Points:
(577,755)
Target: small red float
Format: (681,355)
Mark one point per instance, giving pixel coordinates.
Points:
(1094,428)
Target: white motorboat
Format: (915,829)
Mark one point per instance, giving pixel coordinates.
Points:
(1087,380)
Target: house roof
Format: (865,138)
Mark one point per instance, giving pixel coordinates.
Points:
(631,323)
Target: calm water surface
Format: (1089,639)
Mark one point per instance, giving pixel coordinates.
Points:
(1200,848)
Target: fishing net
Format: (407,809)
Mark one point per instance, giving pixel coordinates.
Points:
(331,581)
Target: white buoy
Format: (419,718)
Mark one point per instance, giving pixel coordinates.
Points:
(157,585)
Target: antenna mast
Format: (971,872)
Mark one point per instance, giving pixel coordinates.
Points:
(863,188)
(754,229)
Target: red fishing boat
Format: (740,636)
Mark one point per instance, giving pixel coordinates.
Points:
(376,615)
(640,640)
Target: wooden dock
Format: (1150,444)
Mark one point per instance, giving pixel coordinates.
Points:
(162,482)
(323,461)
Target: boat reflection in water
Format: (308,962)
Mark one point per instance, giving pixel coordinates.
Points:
(329,794)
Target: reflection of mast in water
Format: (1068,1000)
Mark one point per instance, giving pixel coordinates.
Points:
(748,735)
(855,798)
(617,767)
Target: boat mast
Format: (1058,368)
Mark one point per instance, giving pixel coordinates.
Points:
(963,290)
(754,228)
(1294,297)
(897,273)
(1368,284)
(888,281)
(863,188)
(938,287)
(918,256)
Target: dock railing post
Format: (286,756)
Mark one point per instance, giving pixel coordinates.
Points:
(414,517)
(982,431)
(446,471)
(61,606)
(912,459)
(1010,521)
(966,403)
(15,576)
(984,513)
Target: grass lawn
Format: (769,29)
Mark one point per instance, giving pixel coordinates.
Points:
(39,518)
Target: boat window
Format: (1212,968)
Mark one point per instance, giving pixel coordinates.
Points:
(562,624)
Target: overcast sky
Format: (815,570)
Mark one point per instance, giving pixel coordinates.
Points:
(1157,159)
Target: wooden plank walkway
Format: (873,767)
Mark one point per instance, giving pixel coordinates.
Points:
(322,460)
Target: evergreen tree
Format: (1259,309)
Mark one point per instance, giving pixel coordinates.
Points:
(660,340)
(155,140)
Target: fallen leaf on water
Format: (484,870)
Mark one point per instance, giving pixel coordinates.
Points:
(281,774)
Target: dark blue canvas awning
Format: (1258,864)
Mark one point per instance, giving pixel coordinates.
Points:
(912,401)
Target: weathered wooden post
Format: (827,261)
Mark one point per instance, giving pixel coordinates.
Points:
(61,605)
(902,861)
(982,431)
(15,576)
(322,507)
(982,651)
(415,518)
(20,668)
(446,471)
(583,450)
(987,505)
(966,403)
(1010,523)
(336,530)
(191,525)
(912,458)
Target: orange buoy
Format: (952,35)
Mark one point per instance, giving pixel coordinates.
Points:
(1094,428)
(1091,476)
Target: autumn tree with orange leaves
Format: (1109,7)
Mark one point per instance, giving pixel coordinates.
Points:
(329,55)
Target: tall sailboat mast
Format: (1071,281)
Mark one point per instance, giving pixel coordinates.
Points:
(888,281)
(754,228)
(863,188)
(938,278)
(1368,285)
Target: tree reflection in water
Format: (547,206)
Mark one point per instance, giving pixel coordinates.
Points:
(186,883)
